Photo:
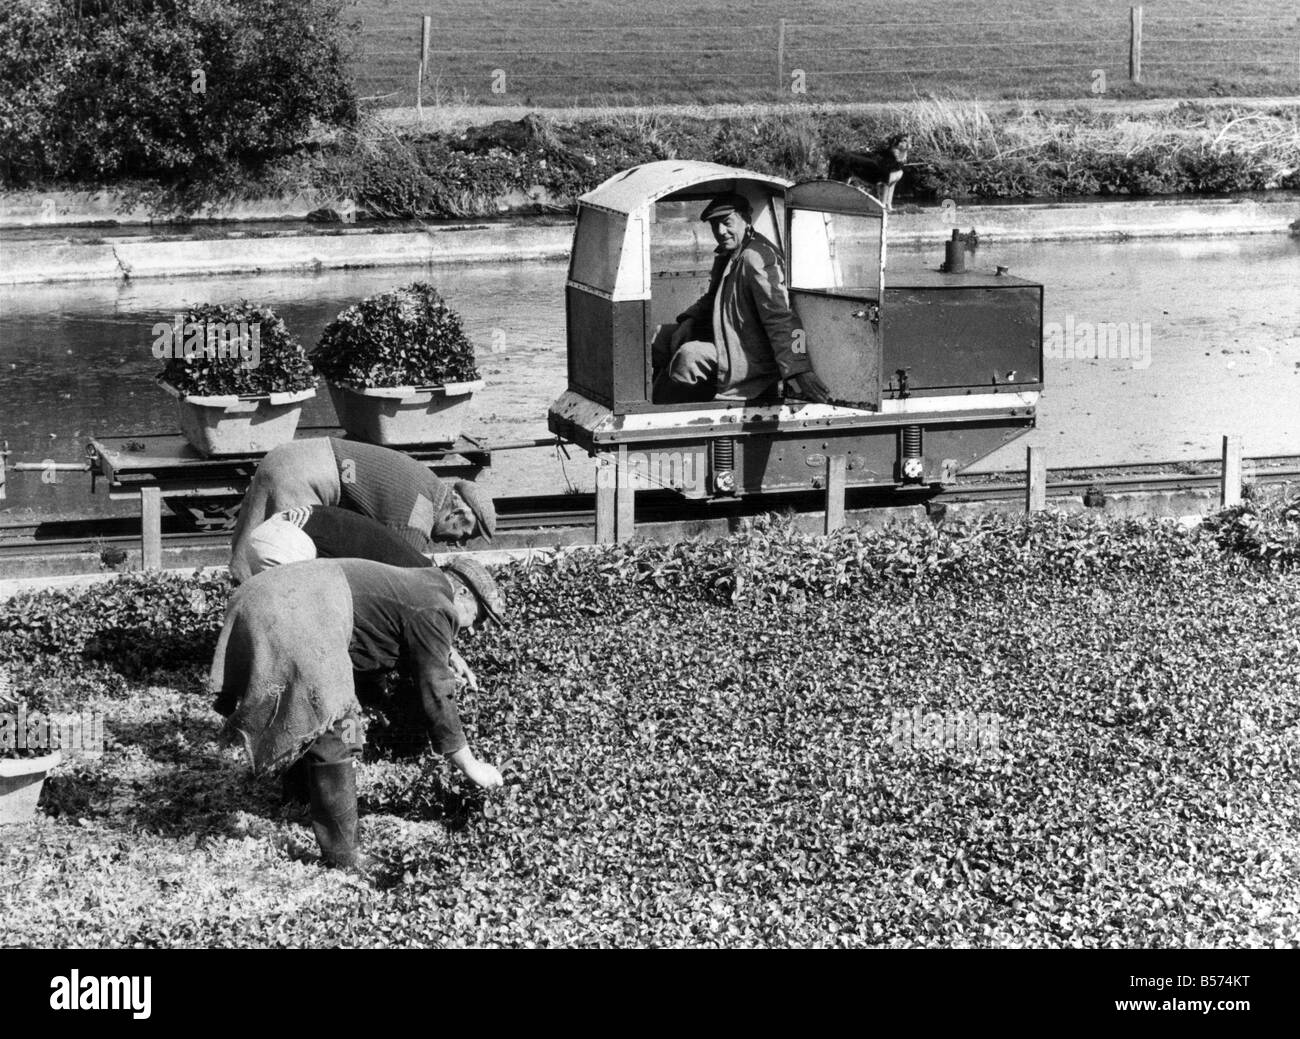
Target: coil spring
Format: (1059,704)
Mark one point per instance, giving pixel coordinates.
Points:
(911,441)
(724,454)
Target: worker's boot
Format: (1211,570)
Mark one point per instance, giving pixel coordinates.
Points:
(334,813)
(295,784)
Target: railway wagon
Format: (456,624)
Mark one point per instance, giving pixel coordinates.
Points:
(928,371)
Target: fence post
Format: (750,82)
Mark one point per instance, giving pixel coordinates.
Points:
(624,498)
(426,26)
(1135,43)
(1230,480)
(836,484)
(780,55)
(1036,480)
(606,516)
(150,528)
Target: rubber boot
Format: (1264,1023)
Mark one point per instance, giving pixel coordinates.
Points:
(333,789)
(295,784)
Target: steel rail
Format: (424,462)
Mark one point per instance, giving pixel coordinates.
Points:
(578,510)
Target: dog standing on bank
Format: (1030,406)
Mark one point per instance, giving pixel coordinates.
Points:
(877,172)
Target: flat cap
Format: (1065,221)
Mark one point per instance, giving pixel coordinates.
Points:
(478,581)
(480,503)
(722,205)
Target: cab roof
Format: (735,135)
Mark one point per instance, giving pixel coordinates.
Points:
(632,190)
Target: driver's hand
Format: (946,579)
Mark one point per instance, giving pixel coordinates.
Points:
(809,387)
(682,334)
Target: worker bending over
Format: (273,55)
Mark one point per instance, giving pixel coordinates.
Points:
(386,485)
(283,670)
(327,532)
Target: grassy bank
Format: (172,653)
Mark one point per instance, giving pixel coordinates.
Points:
(702,746)
(961,151)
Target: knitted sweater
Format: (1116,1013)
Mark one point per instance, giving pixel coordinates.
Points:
(344,534)
(392,488)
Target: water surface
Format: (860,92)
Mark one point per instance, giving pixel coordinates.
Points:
(1223,318)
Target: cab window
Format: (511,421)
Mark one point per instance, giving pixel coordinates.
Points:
(681,257)
(597,249)
(835,252)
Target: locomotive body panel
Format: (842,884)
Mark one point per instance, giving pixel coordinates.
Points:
(844,344)
(782,448)
(928,372)
(966,332)
(607,360)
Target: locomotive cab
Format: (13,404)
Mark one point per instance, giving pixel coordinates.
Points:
(927,372)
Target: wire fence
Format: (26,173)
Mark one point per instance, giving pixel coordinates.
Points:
(1125,52)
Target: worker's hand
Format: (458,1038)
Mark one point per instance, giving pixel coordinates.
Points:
(464,675)
(682,334)
(808,387)
(483,774)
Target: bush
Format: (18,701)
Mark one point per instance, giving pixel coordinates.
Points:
(406,337)
(234,349)
(789,147)
(176,90)
(960,151)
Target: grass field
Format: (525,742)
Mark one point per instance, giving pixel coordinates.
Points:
(561,52)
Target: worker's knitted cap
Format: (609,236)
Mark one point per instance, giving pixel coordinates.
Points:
(723,205)
(480,504)
(478,581)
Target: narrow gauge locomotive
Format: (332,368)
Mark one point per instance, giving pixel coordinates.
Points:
(928,371)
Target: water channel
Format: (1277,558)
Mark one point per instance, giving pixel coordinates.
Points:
(1218,321)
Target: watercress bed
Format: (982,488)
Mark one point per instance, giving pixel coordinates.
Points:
(701,748)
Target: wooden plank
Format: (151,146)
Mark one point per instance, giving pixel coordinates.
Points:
(604,499)
(150,528)
(151,451)
(1230,478)
(836,482)
(166,461)
(1035,480)
(131,492)
(624,498)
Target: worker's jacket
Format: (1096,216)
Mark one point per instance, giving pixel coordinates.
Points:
(746,314)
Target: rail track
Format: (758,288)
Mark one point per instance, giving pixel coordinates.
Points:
(540,513)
